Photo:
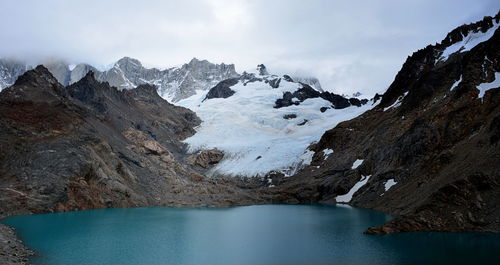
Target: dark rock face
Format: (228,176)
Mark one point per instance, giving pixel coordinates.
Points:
(222,89)
(337,101)
(295,98)
(440,146)
(287,78)
(262,69)
(274,83)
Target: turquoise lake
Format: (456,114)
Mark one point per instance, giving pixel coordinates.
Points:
(265,234)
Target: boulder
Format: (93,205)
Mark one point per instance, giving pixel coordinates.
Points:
(208,158)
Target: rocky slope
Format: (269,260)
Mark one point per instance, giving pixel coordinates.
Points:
(89,145)
(429,152)
(12,250)
(173,84)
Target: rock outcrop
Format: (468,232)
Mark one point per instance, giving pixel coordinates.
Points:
(222,89)
(306,92)
(207,158)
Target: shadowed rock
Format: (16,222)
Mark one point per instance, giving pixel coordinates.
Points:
(222,89)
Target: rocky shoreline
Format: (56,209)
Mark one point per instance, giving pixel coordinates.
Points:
(12,249)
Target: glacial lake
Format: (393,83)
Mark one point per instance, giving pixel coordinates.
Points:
(265,234)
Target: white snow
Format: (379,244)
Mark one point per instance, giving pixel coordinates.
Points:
(71,67)
(397,103)
(389,184)
(348,197)
(246,126)
(456,83)
(327,152)
(487,86)
(357,163)
(468,42)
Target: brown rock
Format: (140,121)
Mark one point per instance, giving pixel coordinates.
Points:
(208,158)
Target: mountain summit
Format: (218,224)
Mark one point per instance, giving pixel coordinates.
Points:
(173,84)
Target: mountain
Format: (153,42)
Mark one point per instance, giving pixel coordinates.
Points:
(173,84)
(428,152)
(90,145)
(10,70)
(264,122)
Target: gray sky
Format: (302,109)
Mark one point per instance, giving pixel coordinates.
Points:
(349,45)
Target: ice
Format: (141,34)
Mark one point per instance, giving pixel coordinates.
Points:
(327,152)
(389,184)
(246,126)
(456,83)
(487,86)
(348,197)
(468,42)
(357,163)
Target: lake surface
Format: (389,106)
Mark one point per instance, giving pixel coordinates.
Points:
(266,234)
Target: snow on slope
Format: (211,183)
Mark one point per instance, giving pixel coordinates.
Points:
(389,183)
(254,136)
(357,163)
(456,83)
(346,198)
(483,87)
(469,41)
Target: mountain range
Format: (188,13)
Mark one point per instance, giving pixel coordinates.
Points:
(173,84)
(426,151)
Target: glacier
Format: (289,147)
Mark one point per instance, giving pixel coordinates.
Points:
(255,136)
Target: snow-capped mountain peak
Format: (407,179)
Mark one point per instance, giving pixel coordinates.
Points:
(173,84)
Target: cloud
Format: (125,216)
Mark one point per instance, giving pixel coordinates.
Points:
(350,45)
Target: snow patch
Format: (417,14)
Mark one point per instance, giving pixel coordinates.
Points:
(456,83)
(388,184)
(468,42)
(327,152)
(487,86)
(397,103)
(348,197)
(357,163)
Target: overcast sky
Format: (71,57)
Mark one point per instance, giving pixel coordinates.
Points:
(349,45)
